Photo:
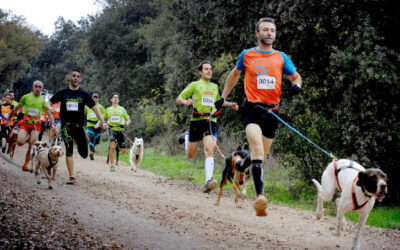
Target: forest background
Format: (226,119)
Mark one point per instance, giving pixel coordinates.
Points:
(348,53)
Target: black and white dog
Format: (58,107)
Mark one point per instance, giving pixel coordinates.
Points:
(359,189)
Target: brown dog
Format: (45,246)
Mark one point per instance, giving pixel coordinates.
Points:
(12,141)
(236,171)
(47,160)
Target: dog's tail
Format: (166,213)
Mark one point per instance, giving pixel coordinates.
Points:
(319,187)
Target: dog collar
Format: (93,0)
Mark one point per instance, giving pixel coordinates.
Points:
(52,164)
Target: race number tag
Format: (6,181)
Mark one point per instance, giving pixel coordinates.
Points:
(33,112)
(42,118)
(115,118)
(92,115)
(207,101)
(266,82)
(72,106)
(57,110)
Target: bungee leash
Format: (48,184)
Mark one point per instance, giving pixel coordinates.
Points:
(296,131)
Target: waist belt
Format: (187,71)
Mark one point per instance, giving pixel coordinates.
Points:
(197,114)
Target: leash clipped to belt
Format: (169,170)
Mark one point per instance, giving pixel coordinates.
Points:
(211,133)
(271,111)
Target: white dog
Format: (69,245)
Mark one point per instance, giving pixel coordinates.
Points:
(36,147)
(47,160)
(359,189)
(136,153)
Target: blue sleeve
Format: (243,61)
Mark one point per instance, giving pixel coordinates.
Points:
(240,61)
(288,66)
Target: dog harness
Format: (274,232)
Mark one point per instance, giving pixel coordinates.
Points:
(52,164)
(354,198)
(336,171)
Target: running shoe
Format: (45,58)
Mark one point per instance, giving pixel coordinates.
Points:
(71,180)
(210,185)
(25,167)
(91,156)
(112,168)
(260,205)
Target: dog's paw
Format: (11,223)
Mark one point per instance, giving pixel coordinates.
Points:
(244,192)
(318,215)
(336,233)
(216,203)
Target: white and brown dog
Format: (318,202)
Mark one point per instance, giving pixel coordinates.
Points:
(36,147)
(136,153)
(359,189)
(46,161)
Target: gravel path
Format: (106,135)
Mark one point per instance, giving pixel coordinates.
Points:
(144,211)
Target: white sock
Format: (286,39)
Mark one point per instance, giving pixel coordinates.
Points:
(186,142)
(209,167)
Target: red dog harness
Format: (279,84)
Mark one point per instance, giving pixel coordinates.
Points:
(353,194)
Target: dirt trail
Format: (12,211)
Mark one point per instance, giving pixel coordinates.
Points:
(145,211)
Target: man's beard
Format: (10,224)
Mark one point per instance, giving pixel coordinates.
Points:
(266,42)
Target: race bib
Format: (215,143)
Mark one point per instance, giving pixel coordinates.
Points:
(57,109)
(72,106)
(115,118)
(33,112)
(266,82)
(92,115)
(42,118)
(207,101)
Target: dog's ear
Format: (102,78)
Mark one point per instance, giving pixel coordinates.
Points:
(246,147)
(362,178)
(239,148)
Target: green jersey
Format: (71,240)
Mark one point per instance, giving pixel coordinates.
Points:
(116,117)
(204,95)
(33,106)
(91,115)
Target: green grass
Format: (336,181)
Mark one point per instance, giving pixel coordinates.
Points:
(280,186)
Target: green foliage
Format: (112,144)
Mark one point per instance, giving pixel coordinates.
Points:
(345,51)
(19,46)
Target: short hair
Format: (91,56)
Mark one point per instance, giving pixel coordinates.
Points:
(113,94)
(264,20)
(202,63)
(7,94)
(76,70)
(38,81)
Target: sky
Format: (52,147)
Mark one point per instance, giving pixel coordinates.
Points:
(42,14)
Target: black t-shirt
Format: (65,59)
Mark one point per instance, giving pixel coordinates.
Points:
(73,104)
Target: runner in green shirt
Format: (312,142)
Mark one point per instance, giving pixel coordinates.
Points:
(93,125)
(117,119)
(202,94)
(32,105)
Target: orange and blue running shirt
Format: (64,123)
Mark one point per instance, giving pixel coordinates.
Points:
(263,74)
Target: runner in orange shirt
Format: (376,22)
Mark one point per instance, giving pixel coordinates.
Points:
(263,68)
(5,109)
(57,122)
